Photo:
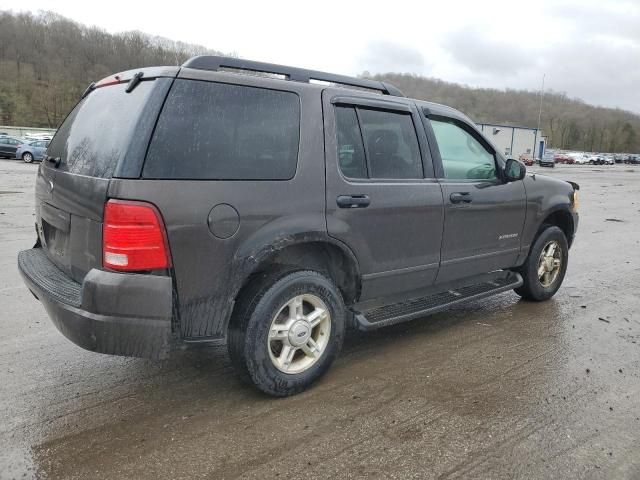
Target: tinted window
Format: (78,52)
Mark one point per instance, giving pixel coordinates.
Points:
(218,131)
(96,134)
(377,144)
(463,156)
(350,148)
(391,144)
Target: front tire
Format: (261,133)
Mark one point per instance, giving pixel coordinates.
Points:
(286,331)
(546,265)
(27,157)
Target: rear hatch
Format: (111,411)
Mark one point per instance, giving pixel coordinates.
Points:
(104,136)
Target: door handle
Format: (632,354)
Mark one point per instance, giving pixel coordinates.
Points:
(461,197)
(353,201)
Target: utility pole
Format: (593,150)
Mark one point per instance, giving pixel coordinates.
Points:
(535,138)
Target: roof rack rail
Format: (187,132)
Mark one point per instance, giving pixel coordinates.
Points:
(215,63)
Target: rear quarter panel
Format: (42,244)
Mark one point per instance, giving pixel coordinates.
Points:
(209,271)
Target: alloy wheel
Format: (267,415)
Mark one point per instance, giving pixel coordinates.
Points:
(549,264)
(299,334)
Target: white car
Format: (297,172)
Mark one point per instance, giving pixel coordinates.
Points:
(38,136)
(580,158)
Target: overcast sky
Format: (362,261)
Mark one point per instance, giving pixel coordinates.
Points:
(588,48)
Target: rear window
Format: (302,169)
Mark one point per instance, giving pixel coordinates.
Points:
(217,131)
(95,136)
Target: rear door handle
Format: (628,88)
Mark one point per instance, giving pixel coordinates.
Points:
(353,201)
(461,197)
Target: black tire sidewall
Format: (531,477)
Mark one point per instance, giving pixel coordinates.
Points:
(256,355)
(532,282)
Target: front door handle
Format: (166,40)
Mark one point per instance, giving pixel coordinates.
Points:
(461,197)
(353,201)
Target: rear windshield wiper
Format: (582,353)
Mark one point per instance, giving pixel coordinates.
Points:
(89,89)
(133,83)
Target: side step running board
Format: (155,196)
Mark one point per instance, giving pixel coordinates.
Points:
(419,307)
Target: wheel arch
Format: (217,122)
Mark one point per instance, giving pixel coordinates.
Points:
(305,251)
(562,218)
(311,251)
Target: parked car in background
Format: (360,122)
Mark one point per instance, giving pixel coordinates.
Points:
(33,150)
(580,158)
(527,159)
(632,159)
(548,160)
(595,159)
(608,160)
(38,136)
(563,158)
(8,146)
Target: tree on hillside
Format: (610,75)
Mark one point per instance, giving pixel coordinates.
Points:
(46,62)
(568,123)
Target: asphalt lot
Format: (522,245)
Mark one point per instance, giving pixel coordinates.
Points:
(499,388)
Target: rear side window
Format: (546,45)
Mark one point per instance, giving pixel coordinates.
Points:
(95,136)
(377,144)
(217,131)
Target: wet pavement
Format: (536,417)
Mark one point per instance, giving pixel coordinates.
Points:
(499,388)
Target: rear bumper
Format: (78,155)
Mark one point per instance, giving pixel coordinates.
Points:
(113,313)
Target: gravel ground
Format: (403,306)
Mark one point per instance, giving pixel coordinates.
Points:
(499,388)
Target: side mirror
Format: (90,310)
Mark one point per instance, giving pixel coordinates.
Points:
(514,170)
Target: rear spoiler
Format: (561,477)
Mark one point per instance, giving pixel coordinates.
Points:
(132,77)
(575,186)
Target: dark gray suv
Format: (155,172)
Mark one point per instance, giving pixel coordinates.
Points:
(273,207)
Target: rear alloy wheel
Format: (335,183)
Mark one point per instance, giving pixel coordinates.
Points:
(299,334)
(544,269)
(27,157)
(286,331)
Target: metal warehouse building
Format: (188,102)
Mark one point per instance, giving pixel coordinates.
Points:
(514,141)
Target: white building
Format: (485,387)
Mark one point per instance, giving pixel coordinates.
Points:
(513,141)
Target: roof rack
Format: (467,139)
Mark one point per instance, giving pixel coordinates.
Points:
(216,63)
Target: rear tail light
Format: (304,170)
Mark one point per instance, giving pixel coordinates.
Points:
(134,237)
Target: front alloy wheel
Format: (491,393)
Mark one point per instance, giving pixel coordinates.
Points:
(27,157)
(549,264)
(544,269)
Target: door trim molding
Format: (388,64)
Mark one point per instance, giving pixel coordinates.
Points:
(480,256)
(399,271)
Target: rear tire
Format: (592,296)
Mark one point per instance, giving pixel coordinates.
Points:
(27,157)
(546,265)
(286,331)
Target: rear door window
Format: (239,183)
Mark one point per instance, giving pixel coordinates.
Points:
(218,131)
(351,157)
(95,136)
(377,144)
(391,144)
